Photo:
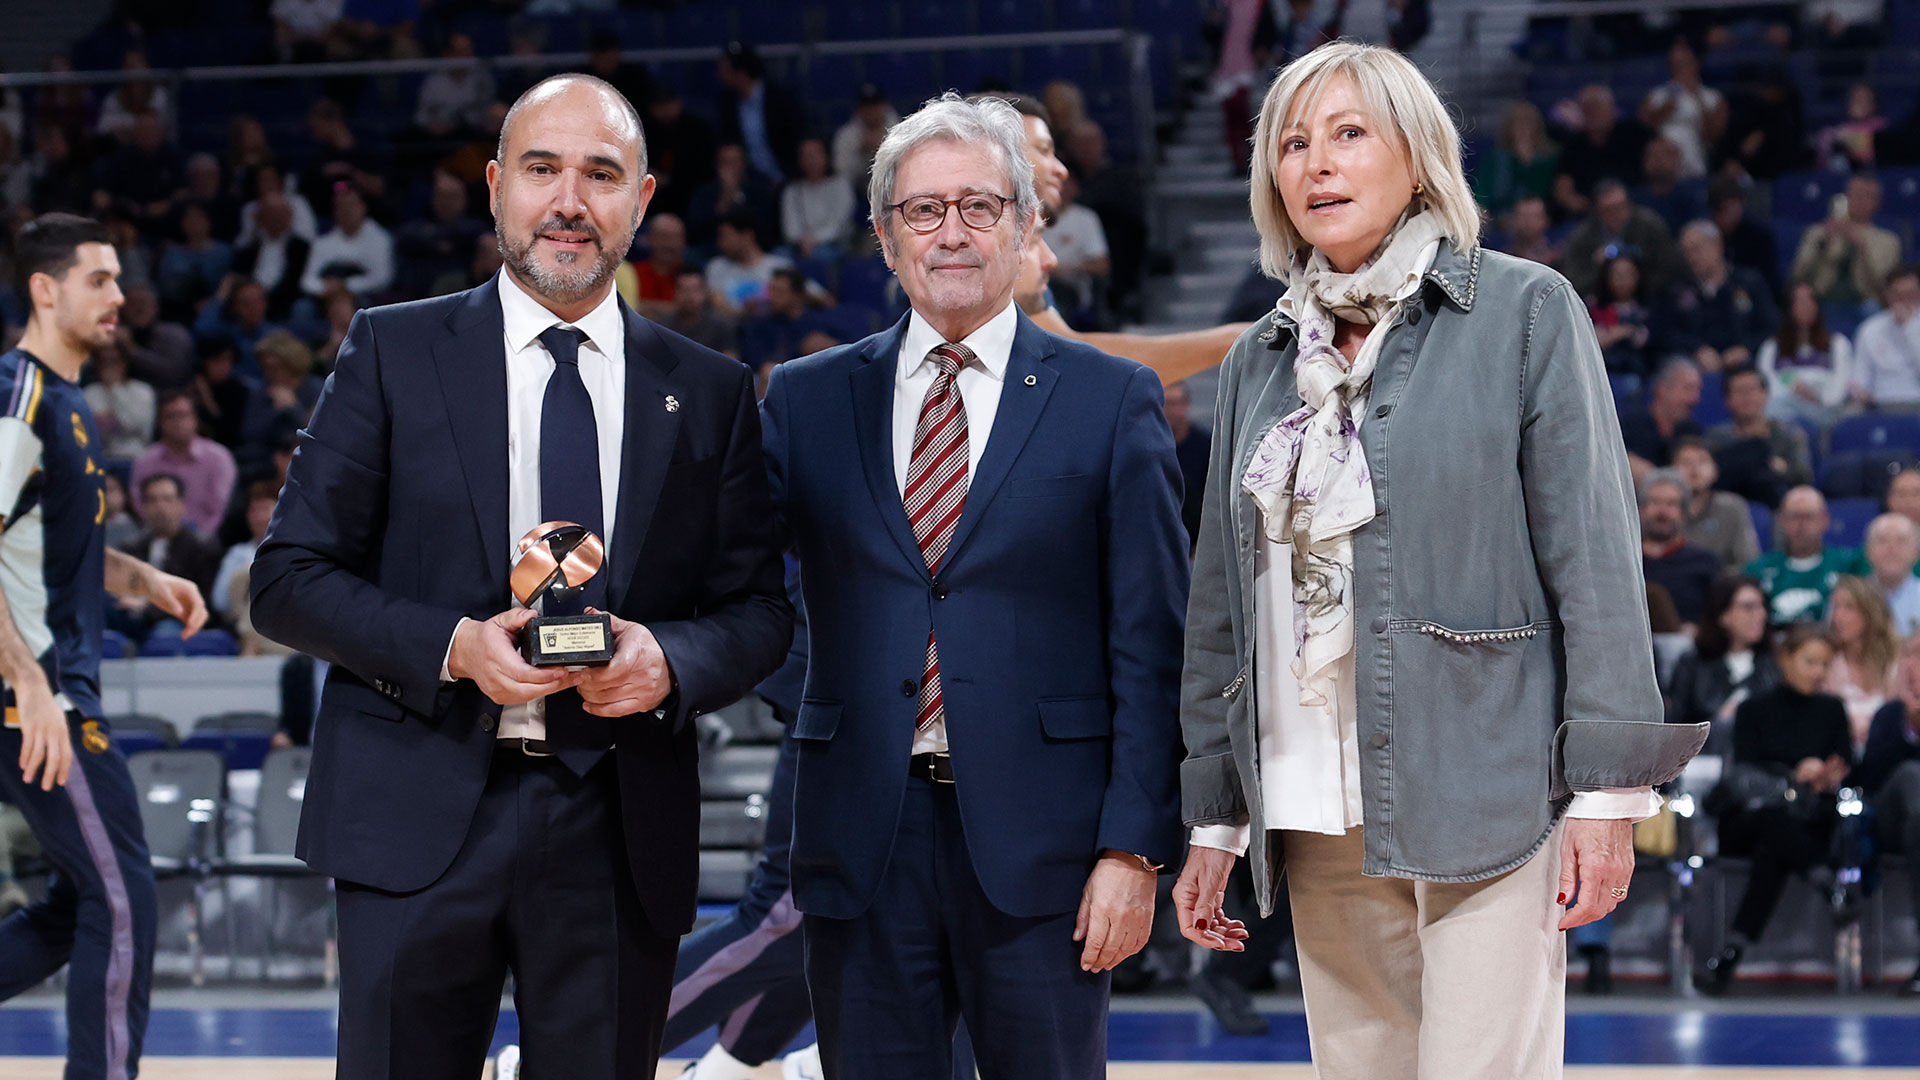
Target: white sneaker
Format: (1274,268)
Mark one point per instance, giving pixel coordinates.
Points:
(506,1066)
(717,1064)
(802,1064)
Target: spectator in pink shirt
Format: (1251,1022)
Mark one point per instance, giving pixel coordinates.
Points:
(204,467)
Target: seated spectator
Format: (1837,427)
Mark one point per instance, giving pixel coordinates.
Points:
(1731,660)
(220,392)
(140,177)
(1800,576)
(248,157)
(1520,165)
(121,109)
(1066,106)
(1686,110)
(680,151)
(693,316)
(1111,190)
(339,308)
(169,544)
(357,251)
(1886,368)
(136,254)
(276,258)
(454,99)
(647,285)
(1759,456)
(1809,368)
(1865,651)
(1527,227)
(439,245)
(158,352)
(1079,242)
(774,336)
(1664,190)
(123,407)
(1622,321)
(268,183)
(816,209)
(1717,314)
(735,190)
(1798,734)
(230,580)
(1903,494)
(334,156)
(207,189)
(121,527)
(856,141)
(192,266)
(1717,521)
(1617,227)
(765,120)
(1766,128)
(1889,772)
(1680,568)
(282,402)
(1848,145)
(1893,549)
(242,320)
(60,179)
(1847,257)
(1749,244)
(737,277)
(304,29)
(1649,432)
(201,469)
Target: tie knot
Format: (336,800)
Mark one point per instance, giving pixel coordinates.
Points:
(563,342)
(950,358)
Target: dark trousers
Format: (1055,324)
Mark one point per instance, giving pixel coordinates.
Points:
(541,888)
(1780,845)
(1896,814)
(745,970)
(890,986)
(98,915)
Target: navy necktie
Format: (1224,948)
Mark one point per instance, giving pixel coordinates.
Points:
(570,491)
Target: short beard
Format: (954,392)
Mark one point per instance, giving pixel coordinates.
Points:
(573,281)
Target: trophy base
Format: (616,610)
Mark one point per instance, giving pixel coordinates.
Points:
(568,641)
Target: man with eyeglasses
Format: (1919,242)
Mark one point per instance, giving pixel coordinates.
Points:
(987,519)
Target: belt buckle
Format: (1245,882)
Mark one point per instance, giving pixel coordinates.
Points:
(526,746)
(933,768)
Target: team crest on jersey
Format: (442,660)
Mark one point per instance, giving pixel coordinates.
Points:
(79,431)
(93,738)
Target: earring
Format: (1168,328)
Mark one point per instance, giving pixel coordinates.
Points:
(1418,187)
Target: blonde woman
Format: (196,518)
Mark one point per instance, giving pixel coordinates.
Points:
(1866,653)
(1417,637)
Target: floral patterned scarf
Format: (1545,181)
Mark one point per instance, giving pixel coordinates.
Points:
(1309,474)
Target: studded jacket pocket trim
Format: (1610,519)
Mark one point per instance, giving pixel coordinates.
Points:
(1476,637)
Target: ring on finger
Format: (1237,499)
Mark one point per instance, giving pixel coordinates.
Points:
(1619,892)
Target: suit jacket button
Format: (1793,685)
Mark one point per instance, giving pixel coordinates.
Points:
(909,688)
(939,591)
(1380,624)
(1379,741)
(487,723)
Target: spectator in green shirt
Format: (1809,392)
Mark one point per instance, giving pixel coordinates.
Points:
(1799,577)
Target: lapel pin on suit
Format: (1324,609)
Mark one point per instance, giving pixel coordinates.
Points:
(1033,380)
(673,403)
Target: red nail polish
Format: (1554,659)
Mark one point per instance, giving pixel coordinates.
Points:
(1562,900)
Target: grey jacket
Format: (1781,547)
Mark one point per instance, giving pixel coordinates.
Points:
(1502,653)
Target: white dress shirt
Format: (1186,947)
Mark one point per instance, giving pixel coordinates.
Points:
(603,368)
(1310,779)
(979,384)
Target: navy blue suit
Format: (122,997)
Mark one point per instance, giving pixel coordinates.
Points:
(391,527)
(1058,613)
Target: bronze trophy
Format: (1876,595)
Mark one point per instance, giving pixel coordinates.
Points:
(556,560)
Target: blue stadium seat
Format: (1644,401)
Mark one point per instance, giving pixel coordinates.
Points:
(1011,16)
(1804,197)
(1850,520)
(1862,473)
(1902,187)
(1762,525)
(163,645)
(848,322)
(1712,408)
(968,70)
(865,283)
(134,742)
(1086,15)
(114,645)
(767,22)
(240,749)
(1876,431)
(210,642)
(907,78)
(857,22)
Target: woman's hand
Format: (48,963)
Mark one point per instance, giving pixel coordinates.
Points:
(1199,898)
(1809,770)
(1596,858)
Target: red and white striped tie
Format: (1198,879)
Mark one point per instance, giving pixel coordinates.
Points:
(937,491)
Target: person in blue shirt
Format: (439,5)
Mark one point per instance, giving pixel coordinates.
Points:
(67,777)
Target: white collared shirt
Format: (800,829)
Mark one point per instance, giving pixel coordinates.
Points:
(979,383)
(603,368)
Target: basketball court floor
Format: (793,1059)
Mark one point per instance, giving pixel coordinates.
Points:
(246,1034)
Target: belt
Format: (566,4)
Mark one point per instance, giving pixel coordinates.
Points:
(518,745)
(935,767)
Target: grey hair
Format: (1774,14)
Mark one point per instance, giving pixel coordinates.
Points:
(1902,522)
(1674,366)
(1399,101)
(1701,227)
(1662,476)
(988,121)
(551,85)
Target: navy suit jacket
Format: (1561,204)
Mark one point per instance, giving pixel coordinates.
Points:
(1058,613)
(393,525)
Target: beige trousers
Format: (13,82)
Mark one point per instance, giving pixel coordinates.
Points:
(1419,980)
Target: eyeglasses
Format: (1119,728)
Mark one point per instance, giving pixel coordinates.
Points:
(924,213)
